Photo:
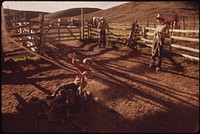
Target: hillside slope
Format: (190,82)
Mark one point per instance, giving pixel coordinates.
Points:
(70,12)
(128,12)
(29,14)
(141,10)
(59,14)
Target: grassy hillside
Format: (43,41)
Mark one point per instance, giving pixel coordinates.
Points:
(60,14)
(70,12)
(29,14)
(130,11)
(141,10)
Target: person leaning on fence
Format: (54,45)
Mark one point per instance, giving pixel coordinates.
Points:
(84,72)
(161,32)
(103,26)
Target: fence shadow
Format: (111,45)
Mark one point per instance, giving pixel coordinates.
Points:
(100,118)
(178,117)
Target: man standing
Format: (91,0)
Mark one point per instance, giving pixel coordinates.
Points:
(161,32)
(103,26)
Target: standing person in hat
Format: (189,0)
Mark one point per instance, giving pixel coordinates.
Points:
(102,26)
(161,32)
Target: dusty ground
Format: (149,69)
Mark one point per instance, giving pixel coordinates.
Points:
(132,97)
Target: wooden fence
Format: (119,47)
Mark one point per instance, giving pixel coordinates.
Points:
(43,31)
(34,34)
(118,33)
(148,32)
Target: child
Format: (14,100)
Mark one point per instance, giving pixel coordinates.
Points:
(84,73)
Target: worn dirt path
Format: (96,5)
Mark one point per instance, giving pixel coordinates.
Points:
(132,97)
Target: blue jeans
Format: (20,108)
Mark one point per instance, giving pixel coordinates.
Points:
(157,51)
(102,38)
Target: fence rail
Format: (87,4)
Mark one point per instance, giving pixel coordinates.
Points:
(45,31)
(172,38)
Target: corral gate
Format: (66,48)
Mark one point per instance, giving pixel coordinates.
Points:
(34,34)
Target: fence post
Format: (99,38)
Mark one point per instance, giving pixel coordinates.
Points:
(24,17)
(132,33)
(189,25)
(82,24)
(87,26)
(41,32)
(58,24)
(89,30)
(144,32)
(171,42)
(30,29)
(194,25)
(2,54)
(183,25)
(173,27)
(147,22)
(198,28)
(20,16)
(14,20)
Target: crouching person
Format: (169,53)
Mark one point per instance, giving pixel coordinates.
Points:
(68,92)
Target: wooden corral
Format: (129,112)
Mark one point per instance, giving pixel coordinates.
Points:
(35,34)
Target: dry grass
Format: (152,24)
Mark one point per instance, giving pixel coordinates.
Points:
(141,10)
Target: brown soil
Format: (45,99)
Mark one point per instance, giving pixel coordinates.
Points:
(132,97)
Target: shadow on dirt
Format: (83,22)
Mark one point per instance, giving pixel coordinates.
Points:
(100,118)
(24,119)
(13,73)
(176,118)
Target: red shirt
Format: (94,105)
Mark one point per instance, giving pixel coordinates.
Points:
(88,74)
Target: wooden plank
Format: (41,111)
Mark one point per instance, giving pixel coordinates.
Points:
(149,34)
(185,48)
(117,38)
(184,55)
(50,33)
(184,31)
(94,34)
(150,28)
(178,38)
(62,37)
(71,33)
(92,30)
(184,38)
(82,25)
(113,28)
(190,57)
(120,24)
(24,34)
(17,27)
(117,34)
(42,36)
(150,41)
(55,28)
(175,46)
(60,40)
(132,32)
(177,30)
(25,40)
(144,44)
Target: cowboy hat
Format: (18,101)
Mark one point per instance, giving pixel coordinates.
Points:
(160,16)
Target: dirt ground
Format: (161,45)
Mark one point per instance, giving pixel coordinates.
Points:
(131,97)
